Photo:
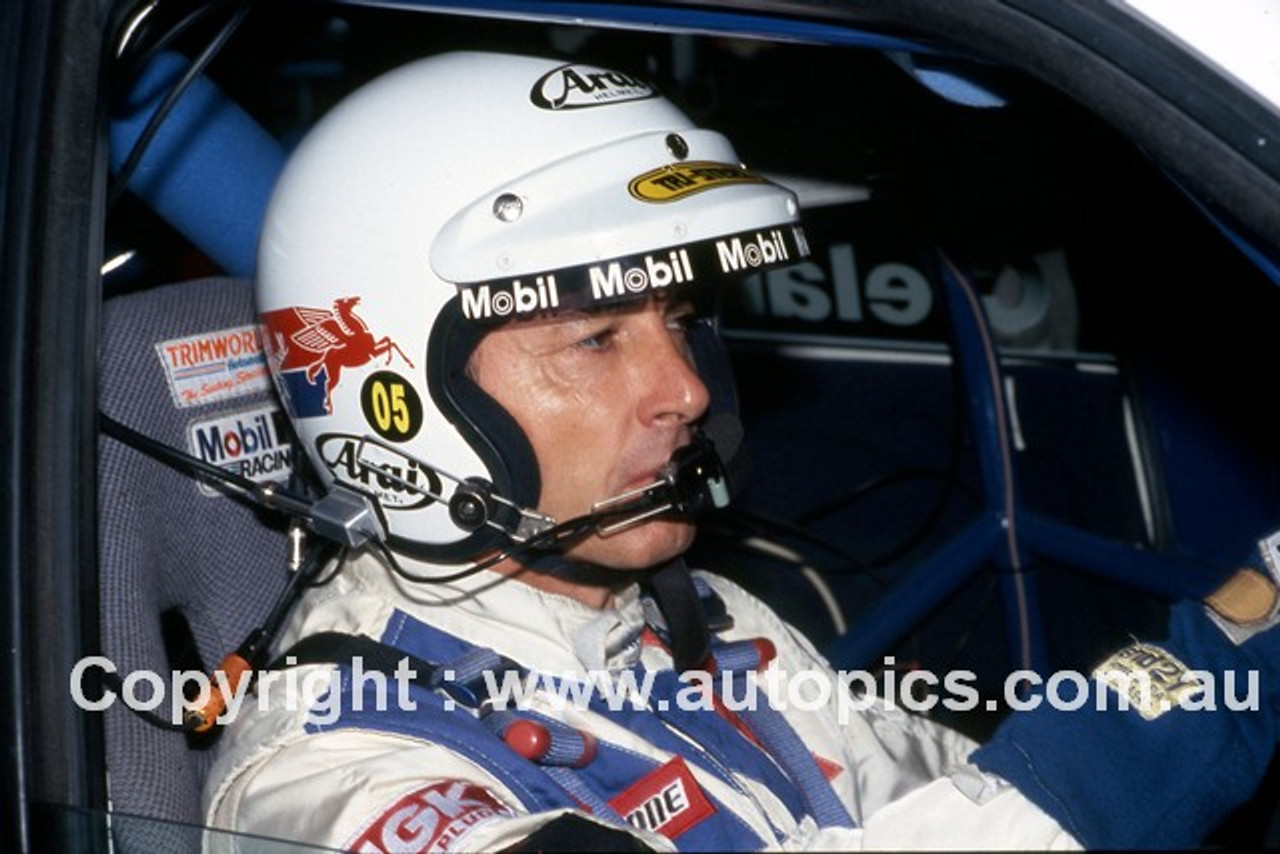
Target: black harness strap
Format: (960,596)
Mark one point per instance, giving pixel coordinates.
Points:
(677,598)
(343,648)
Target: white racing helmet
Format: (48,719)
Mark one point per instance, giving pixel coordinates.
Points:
(455,193)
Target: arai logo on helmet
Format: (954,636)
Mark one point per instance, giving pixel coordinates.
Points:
(398,481)
(572,87)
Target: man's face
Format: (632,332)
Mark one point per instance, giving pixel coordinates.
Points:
(605,398)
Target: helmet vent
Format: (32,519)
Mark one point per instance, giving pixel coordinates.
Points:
(508,207)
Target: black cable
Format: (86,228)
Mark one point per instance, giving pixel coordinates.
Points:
(270,496)
(339,565)
(552,538)
(140,57)
(317,556)
(176,92)
(949,477)
(758,522)
(872,484)
(399,569)
(178,460)
(113,681)
(245,488)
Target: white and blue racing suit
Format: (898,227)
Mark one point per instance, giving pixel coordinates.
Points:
(676,761)
(538,710)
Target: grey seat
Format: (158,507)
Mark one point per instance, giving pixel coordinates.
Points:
(180,364)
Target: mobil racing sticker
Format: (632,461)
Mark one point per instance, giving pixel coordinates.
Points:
(311,348)
(214,366)
(253,443)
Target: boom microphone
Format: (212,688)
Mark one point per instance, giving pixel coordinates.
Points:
(696,479)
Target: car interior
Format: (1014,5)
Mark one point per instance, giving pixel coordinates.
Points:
(1011,407)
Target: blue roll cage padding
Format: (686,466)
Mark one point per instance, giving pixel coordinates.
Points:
(209,169)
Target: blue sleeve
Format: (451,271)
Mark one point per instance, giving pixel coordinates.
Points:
(1118,778)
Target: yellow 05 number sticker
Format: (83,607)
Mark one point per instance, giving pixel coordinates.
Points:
(391,406)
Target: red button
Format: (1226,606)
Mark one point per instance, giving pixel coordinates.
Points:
(528,738)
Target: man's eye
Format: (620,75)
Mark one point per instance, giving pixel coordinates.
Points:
(598,341)
(683,322)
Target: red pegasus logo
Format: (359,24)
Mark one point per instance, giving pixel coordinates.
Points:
(317,340)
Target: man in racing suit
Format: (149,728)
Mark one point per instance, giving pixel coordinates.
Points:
(519,658)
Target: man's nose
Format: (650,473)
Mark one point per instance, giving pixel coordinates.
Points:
(673,391)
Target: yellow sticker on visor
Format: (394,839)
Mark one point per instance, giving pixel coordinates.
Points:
(677,180)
